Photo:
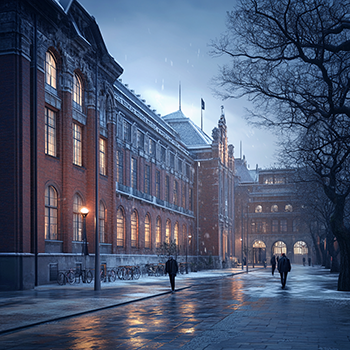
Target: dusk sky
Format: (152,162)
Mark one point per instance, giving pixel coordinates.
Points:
(160,43)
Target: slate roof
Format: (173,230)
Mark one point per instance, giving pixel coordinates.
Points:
(191,135)
(241,171)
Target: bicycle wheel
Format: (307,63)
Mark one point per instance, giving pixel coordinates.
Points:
(136,273)
(71,277)
(112,276)
(61,278)
(121,273)
(89,276)
(127,274)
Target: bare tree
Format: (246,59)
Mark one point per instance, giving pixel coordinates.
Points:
(291,58)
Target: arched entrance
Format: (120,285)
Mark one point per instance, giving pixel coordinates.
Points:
(259,252)
(300,251)
(278,248)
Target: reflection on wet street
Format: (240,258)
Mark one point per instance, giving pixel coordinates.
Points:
(244,311)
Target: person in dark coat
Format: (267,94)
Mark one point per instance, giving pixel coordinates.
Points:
(171,268)
(273,264)
(284,267)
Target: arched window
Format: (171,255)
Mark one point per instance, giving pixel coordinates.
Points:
(102,220)
(274,208)
(288,208)
(279,248)
(50,70)
(50,213)
(77,90)
(300,248)
(77,219)
(120,228)
(176,233)
(258,209)
(147,232)
(167,231)
(158,232)
(134,229)
(259,244)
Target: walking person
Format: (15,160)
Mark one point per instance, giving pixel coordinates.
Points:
(171,268)
(273,264)
(284,267)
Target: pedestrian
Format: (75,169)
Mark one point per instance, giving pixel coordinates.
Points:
(171,268)
(273,264)
(309,260)
(284,267)
(303,261)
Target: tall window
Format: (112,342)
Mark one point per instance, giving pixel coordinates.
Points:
(157,183)
(283,225)
(167,231)
(158,232)
(183,192)
(167,189)
(274,226)
(77,145)
(50,132)
(190,199)
(50,213)
(77,91)
(147,232)
(77,219)
(120,167)
(102,220)
(50,70)
(134,229)
(140,140)
(152,148)
(134,173)
(175,194)
(176,233)
(127,131)
(120,228)
(147,179)
(103,157)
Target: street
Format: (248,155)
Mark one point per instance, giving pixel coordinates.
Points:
(247,311)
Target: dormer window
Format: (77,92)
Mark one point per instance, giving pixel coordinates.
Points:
(50,70)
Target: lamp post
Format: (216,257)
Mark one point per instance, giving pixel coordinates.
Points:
(188,237)
(84,212)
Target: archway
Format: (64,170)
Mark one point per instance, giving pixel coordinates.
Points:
(259,252)
(278,248)
(301,252)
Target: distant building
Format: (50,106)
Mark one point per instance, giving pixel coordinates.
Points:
(268,216)
(156,179)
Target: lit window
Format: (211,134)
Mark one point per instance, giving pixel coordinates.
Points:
(274,208)
(77,145)
(120,167)
(50,213)
(120,228)
(50,132)
(300,248)
(288,208)
(175,193)
(103,157)
(258,209)
(147,232)
(167,231)
(102,218)
(158,232)
(77,219)
(134,173)
(134,229)
(176,233)
(77,90)
(283,225)
(183,192)
(50,70)
(274,226)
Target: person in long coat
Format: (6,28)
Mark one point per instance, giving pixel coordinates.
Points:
(273,264)
(284,267)
(171,268)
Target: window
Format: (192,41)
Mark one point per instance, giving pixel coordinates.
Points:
(50,132)
(268,180)
(176,233)
(77,91)
(188,171)
(103,157)
(300,248)
(102,220)
(190,199)
(175,193)
(50,70)
(296,224)
(120,167)
(163,154)
(288,208)
(147,232)
(253,227)
(280,180)
(77,219)
(274,208)
(261,227)
(179,166)
(50,213)
(134,229)
(103,118)
(183,192)
(167,189)
(167,231)
(134,173)
(172,160)
(274,226)
(158,232)
(147,179)
(258,209)
(127,131)
(120,228)
(283,226)
(77,145)
(157,183)
(152,148)
(140,140)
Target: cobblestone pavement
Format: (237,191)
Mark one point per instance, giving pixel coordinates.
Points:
(246,311)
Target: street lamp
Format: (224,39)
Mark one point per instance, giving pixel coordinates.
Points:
(84,212)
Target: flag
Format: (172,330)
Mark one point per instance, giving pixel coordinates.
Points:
(203,104)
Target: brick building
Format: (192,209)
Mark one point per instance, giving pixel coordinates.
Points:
(268,216)
(73,135)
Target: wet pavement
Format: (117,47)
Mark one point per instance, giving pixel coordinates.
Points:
(208,311)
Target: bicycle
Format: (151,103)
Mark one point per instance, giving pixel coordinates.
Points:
(66,276)
(86,276)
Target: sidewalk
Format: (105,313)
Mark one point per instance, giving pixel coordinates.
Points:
(48,303)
